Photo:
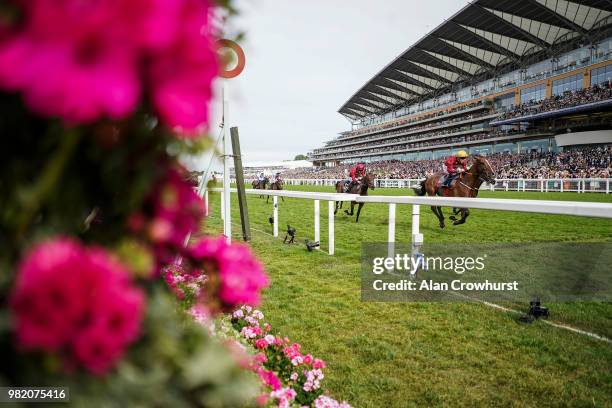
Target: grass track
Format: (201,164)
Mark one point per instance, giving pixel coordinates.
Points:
(430,354)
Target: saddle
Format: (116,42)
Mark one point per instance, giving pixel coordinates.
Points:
(444,190)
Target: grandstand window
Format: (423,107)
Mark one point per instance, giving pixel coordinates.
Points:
(533,94)
(504,102)
(570,83)
(601,75)
(506,148)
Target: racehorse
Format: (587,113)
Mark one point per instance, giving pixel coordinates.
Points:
(260,184)
(360,188)
(466,185)
(277,185)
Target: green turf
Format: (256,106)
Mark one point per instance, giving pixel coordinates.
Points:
(430,354)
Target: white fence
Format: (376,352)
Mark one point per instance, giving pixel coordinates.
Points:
(583,209)
(576,185)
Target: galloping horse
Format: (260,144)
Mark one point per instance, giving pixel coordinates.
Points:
(360,188)
(277,185)
(466,185)
(260,184)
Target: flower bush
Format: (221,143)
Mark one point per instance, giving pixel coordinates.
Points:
(98,101)
(291,378)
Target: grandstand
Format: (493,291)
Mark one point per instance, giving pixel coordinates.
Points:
(514,77)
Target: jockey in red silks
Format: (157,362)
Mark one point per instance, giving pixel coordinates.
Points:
(356,174)
(455,165)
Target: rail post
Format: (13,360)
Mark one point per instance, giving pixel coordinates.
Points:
(391,236)
(222,206)
(417,237)
(317,221)
(330,215)
(608,186)
(206,202)
(275,204)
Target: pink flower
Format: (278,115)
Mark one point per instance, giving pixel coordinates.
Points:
(241,277)
(261,344)
(173,210)
(261,358)
(269,378)
(69,297)
(98,57)
(326,402)
(269,339)
(318,364)
(308,359)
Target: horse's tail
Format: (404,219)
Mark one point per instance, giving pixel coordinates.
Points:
(420,191)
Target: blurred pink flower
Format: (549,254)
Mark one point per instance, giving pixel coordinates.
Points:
(269,378)
(76,301)
(241,277)
(98,56)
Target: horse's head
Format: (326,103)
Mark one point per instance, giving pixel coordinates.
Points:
(484,170)
(368,180)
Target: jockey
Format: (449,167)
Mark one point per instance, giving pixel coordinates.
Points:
(261,176)
(277,177)
(455,165)
(356,174)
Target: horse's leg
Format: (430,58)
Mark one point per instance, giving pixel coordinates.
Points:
(359,211)
(336,210)
(282,198)
(438,212)
(352,207)
(464,214)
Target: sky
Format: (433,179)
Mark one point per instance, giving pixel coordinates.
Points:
(304,59)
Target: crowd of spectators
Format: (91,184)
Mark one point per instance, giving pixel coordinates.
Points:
(429,128)
(435,139)
(589,162)
(401,122)
(566,100)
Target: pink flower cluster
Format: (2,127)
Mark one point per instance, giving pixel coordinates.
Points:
(186,285)
(290,375)
(172,211)
(239,275)
(87,60)
(326,402)
(76,302)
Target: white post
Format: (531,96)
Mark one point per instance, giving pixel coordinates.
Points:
(223,207)
(330,210)
(227,225)
(206,202)
(391,222)
(546,186)
(561,184)
(391,237)
(417,237)
(608,186)
(317,221)
(275,204)
(542,186)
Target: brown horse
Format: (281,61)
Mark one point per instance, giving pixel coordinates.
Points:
(466,185)
(277,185)
(360,188)
(260,184)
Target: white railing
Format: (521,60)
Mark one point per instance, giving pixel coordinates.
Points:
(576,185)
(583,209)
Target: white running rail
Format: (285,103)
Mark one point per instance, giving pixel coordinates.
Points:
(575,185)
(582,209)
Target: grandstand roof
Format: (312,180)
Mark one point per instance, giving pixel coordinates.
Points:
(479,39)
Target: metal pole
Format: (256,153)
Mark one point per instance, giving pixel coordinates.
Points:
(206,212)
(391,236)
(275,201)
(242,201)
(227,225)
(330,215)
(417,237)
(223,207)
(317,221)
